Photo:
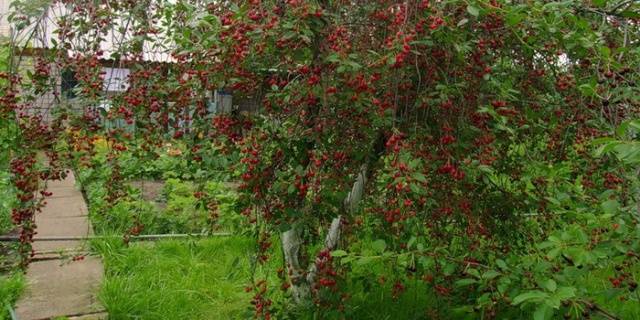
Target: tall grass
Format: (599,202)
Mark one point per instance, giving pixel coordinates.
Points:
(11,285)
(205,279)
(173,279)
(7,200)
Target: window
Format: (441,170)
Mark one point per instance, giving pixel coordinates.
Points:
(68,83)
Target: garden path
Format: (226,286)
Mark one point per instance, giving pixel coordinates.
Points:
(56,285)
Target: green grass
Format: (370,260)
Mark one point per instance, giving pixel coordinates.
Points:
(11,285)
(7,200)
(608,297)
(177,279)
(205,279)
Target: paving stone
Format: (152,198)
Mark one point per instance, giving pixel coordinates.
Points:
(62,226)
(64,207)
(62,287)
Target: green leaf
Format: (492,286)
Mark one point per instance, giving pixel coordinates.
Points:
(599,141)
(474,11)
(550,285)
(565,293)
(347,259)
(621,130)
(610,206)
(514,18)
(501,264)
(291,212)
(419,177)
(599,3)
(354,65)
(415,188)
(490,274)
(449,268)
(634,124)
(473,272)
(588,89)
(543,312)
(535,295)
(465,282)
(630,14)
(607,147)
(605,52)
(338,253)
(503,285)
(366,260)
(553,200)
(411,242)
(379,246)
(462,22)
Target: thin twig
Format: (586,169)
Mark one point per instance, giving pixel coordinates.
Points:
(599,309)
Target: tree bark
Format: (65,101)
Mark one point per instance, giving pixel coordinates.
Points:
(291,245)
(302,281)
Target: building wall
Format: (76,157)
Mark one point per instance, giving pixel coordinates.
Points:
(115,79)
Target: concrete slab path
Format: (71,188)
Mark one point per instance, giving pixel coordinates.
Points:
(61,287)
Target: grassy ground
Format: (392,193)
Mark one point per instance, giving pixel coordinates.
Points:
(11,285)
(177,279)
(609,298)
(205,279)
(7,199)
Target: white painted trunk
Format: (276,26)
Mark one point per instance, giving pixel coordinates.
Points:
(355,195)
(291,245)
(301,281)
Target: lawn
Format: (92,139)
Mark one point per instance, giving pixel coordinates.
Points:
(177,279)
(11,282)
(11,285)
(206,279)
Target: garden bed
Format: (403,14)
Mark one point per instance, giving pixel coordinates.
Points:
(151,190)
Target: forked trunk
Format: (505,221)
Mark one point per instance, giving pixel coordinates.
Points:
(302,278)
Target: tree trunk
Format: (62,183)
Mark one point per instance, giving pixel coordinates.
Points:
(302,281)
(291,245)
